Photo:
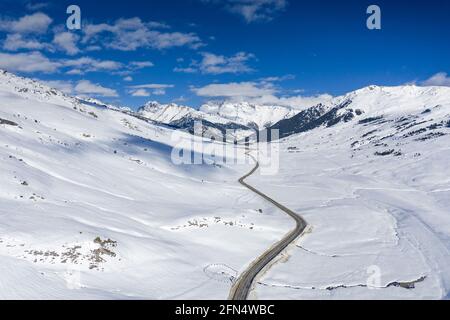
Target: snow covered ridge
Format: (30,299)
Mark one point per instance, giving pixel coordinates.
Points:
(31,89)
(428,106)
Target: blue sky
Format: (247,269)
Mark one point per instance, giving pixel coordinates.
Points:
(189,51)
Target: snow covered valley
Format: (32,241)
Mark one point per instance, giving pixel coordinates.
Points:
(93,207)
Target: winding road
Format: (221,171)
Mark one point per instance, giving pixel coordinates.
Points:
(244,283)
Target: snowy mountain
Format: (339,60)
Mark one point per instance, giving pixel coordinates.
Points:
(243,119)
(254,116)
(405,106)
(182,117)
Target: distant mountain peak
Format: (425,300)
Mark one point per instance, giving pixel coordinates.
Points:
(249,114)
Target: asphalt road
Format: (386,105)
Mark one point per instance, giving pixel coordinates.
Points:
(243,285)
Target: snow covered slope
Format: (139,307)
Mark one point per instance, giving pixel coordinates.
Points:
(378,102)
(371,175)
(92,206)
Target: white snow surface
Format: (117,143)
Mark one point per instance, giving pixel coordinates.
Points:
(369,214)
(92,206)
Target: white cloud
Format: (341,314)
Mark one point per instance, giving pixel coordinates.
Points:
(140,93)
(28,62)
(439,79)
(145,90)
(185,70)
(93,48)
(132,34)
(86,64)
(219,64)
(67,42)
(37,6)
(297,102)
(14,42)
(37,62)
(128,79)
(75,72)
(85,87)
(135,65)
(64,86)
(253,10)
(234,90)
(263,93)
(36,23)
(152,86)
(159,92)
(277,79)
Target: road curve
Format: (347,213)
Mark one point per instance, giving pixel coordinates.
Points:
(243,285)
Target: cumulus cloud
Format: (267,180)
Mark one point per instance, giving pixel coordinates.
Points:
(140,93)
(439,79)
(86,87)
(28,62)
(83,88)
(132,34)
(36,23)
(67,42)
(14,42)
(136,65)
(219,64)
(64,86)
(86,64)
(263,93)
(35,61)
(145,90)
(253,10)
(296,102)
(234,90)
